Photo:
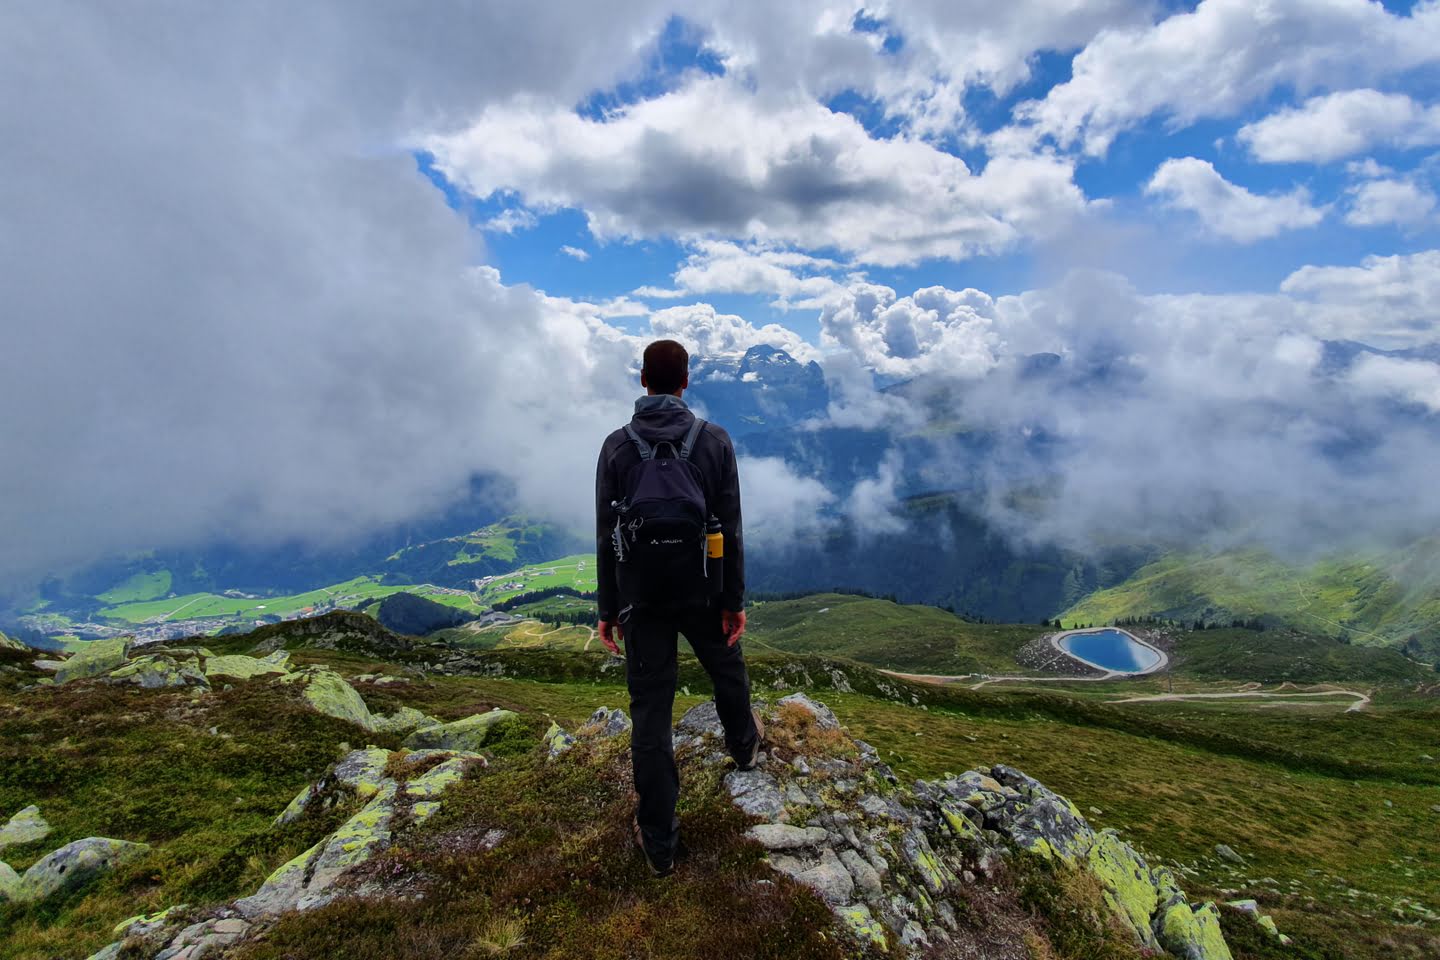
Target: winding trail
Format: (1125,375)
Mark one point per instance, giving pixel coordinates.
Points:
(1362,700)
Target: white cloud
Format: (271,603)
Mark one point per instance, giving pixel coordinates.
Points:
(948,46)
(657,293)
(1227,209)
(1340,125)
(511,221)
(705,332)
(780,504)
(872,502)
(1385,299)
(236,309)
(575,252)
(796,280)
(1413,381)
(1380,202)
(714,158)
(934,330)
(1224,55)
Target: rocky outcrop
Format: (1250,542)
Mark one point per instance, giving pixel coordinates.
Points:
(95,658)
(73,865)
(27,826)
(10,643)
(178,668)
(405,787)
(469,734)
(889,860)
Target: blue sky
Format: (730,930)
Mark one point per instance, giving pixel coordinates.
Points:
(1159,247)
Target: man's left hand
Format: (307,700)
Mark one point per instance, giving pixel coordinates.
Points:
(732,624)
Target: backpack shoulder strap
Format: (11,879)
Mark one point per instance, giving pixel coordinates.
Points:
(688,447)
(646,451)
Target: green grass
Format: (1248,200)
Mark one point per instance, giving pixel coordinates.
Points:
(1279,654)
(1301,793)
(576,571)
(906,637)
(137,587)
(351,593)
(142,765)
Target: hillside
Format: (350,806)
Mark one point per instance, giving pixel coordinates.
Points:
(1335,836)
(1390,599)
(905,637)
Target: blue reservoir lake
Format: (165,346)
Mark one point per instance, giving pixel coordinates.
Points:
(1111,650)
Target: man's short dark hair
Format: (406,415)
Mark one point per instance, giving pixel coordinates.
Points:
(666,366)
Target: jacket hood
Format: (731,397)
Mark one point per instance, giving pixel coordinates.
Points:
(663,417)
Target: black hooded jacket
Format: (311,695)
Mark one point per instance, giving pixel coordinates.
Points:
(657,418)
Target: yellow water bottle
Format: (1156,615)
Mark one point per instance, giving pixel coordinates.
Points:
(714,556)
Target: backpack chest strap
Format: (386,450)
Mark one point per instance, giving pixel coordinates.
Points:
(687,447)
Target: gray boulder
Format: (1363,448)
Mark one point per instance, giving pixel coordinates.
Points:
(824,716)
(605,722)
(27,826)
(756,793)
(240,667)
(74,865)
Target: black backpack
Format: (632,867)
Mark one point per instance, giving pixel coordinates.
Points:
(660,525)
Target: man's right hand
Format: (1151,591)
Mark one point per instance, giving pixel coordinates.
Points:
(611,640)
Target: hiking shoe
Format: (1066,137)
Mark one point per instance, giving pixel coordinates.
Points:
(657,868)
(754,759)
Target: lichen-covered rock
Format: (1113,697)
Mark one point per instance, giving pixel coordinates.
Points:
(440,778)
(204,939)
(891,860)
(1129,888)
(310,880)
(470,734)
(27,826)
(241,667)
(1192,933)
(858,918)
(157,671)
(9,883)
(10,643)
(557,741)
(328,693)
(73,865)
(403,720)
(145,924)
(95,658)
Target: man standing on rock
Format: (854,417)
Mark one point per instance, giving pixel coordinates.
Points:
(671,561)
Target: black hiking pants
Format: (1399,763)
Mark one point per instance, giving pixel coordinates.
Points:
(650,672)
